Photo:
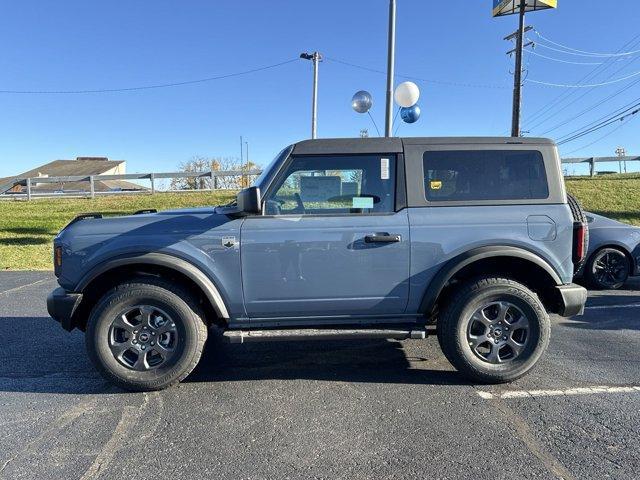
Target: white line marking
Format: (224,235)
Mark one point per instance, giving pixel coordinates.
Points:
(558,393)
(28,285)
(485,395)
(604,307)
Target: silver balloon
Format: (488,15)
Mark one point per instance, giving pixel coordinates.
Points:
(362,101)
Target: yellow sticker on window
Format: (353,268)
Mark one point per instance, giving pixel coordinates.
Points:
(435,184)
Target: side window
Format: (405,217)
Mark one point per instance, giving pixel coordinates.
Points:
(357,184)
(484,175)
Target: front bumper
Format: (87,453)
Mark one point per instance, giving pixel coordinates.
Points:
(572,299)
(62,305)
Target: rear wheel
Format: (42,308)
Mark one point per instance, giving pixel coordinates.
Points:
(145,335)
(493,330)
(608,269)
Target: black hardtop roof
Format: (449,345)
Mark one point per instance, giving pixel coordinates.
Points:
(335,146)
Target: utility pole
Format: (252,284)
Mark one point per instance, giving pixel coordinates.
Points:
(241,150)
(245,167)
(316,58)
(391,62)
(502,8)
(517,74)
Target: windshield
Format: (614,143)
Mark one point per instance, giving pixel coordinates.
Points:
(262,180)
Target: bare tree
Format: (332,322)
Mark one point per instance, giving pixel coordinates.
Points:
(196,164)
(221,164)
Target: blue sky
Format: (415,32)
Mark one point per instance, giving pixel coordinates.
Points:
(79,45)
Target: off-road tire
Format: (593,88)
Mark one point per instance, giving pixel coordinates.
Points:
(183,310)
(455,317)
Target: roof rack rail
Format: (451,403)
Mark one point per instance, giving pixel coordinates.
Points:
(84,216)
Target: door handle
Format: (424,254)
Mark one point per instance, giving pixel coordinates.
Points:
(383,238)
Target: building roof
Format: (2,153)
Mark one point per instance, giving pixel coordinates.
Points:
(82,166)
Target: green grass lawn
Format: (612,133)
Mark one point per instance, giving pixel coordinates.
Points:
(27,228)
(614,196)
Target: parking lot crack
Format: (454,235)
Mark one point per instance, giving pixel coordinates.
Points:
(58,424)
(102,460)
(128,420)
(522,430)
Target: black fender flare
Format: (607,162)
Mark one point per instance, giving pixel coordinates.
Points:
(163,260)
(453,266)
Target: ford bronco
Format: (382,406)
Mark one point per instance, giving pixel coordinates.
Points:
(473,238)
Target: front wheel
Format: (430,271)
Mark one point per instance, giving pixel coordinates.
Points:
(494,330)
(145,335)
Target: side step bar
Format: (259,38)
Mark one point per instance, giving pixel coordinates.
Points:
(243,336)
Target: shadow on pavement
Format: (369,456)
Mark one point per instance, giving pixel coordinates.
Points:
(372,361)
(619,299)
(611,319)
(38,356)
(57,362)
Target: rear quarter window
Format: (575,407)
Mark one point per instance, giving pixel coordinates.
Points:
(484,175)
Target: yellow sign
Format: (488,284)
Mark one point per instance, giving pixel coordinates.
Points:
(435,184)
(509,7)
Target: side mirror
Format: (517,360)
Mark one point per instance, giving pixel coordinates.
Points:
(249,200)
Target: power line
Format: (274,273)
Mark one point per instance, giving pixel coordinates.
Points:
(532,52)
(413,77)
(540,44)
(622,110)
(601,125)
(558,100)
(589,109)
(150,87)
(583,52)
(595,128)
(585,93)
(576,85)
(624,122)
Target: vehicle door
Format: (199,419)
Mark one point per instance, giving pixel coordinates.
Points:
(330,241)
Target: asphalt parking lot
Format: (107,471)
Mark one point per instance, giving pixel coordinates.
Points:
(374,409)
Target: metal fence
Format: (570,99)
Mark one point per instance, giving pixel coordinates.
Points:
(592,161)
(213,180)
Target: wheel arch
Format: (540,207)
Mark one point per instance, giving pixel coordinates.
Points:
(517,263)
(106,275)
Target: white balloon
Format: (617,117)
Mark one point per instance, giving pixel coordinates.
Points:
(407,94)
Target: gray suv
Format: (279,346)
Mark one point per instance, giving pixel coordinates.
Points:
(473,238)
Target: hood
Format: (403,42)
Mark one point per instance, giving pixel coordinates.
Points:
(187,233)
(184,220)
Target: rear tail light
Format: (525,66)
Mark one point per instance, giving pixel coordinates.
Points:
(579,232)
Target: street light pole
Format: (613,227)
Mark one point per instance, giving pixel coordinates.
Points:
(315,57)
(391,61)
